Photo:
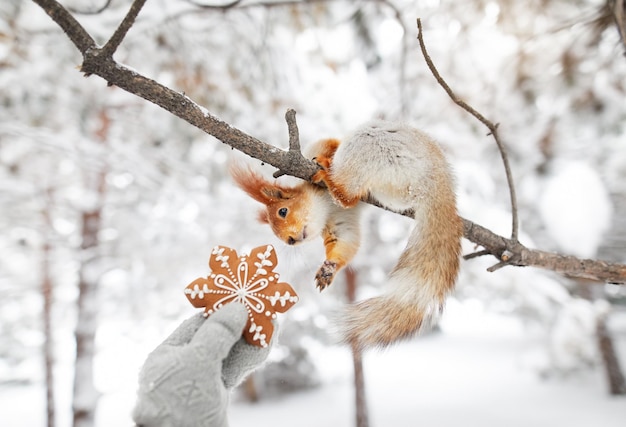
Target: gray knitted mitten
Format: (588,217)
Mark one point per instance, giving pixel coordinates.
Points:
(185,381)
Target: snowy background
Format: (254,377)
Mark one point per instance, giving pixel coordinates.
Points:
(515,347)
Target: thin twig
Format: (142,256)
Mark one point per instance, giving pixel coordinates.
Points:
(294,152)
(493,128)
(476,254)
(95,11)
(222,7)
(498,266)
(292,127)
(116,39)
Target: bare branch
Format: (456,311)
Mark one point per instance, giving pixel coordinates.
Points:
(476,254)
(114,42)
(74,31)
(294,134)
(183,107)
(294,153)
(493,128)
(512,252)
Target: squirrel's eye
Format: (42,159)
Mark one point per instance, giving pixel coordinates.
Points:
(282,212)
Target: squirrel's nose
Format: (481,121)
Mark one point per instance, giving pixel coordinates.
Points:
(291,241)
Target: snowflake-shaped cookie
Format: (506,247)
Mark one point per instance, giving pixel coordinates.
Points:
(247,279)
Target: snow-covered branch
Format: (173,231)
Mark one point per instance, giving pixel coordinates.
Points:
(97,61)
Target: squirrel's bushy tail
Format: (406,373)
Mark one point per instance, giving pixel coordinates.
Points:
(418,285)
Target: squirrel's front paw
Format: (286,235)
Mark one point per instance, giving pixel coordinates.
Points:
(325,275)
(323,161)
(320,175)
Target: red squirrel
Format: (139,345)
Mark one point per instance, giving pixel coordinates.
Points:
(402,168)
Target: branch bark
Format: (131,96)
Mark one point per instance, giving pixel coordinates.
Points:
(291,162)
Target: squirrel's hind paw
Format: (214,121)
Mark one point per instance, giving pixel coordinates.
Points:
(325,275)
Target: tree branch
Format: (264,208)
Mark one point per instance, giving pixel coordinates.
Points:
(111,46)
(74,31)
(294,133)
(493,128)
(512,252)
(294,152)
(182,106)
(292,162)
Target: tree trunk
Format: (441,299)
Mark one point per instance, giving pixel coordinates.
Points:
(362,418)
(610,361)
(86,396)
(615,377)
(48,346)
(85,393)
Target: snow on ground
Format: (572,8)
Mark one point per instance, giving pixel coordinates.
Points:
(475,371)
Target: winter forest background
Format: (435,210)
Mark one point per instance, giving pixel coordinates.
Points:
(109,206)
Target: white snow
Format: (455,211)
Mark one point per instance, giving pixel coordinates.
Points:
(475,371)
(576,208)
(472,373)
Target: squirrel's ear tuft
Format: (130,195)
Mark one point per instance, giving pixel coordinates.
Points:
(262,216)
(257,187)
(250,181)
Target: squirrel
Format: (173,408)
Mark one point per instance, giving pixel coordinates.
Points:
(400,167)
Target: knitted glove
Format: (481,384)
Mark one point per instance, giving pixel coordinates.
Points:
(185,381)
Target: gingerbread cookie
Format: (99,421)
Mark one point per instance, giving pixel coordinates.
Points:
(249,280)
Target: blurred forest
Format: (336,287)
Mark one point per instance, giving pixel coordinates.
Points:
(109,206)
